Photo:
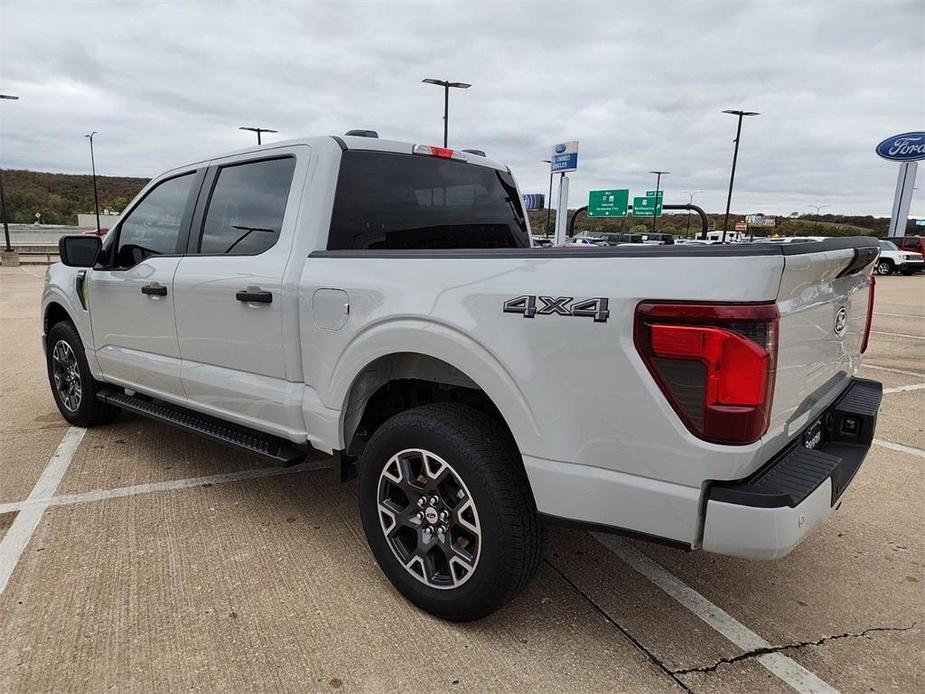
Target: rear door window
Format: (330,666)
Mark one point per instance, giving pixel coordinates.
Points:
(246,208)
(402,201)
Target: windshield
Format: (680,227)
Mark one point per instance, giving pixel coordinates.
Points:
(888,246)
(404,201)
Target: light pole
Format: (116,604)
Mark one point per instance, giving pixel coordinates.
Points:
(818,208)
(258,131)
(446,100)
(690,201)
(735,155)
(549,198)
(6,228)
(658,182)
(96,198)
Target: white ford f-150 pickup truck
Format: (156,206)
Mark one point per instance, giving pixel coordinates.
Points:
(381,301)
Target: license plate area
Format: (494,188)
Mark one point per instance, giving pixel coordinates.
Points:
(813,435)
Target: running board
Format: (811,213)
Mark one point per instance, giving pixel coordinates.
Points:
(271,447)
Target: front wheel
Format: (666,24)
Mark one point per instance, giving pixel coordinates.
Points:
(72,385)
(884,267)
(447,510)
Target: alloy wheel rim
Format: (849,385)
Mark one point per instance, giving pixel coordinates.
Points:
(429,518)
(66,375)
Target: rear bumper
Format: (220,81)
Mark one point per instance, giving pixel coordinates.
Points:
(767,514)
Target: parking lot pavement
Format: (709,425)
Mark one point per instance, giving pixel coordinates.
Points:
(165,562)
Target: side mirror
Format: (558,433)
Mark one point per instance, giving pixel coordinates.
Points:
(79,251)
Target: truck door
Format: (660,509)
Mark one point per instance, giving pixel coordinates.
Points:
(131,302)
(228,293)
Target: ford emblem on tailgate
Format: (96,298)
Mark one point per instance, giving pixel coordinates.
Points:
(841,321)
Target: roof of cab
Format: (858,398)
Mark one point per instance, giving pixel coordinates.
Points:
(349,142)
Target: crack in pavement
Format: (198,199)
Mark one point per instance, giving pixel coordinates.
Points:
(757,652)
(612,622)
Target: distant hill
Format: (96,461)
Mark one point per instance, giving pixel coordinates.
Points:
(59,197)
(676,223)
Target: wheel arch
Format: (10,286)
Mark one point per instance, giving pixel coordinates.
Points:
(393,382)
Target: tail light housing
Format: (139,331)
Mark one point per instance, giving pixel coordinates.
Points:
(870,313)
(715,364)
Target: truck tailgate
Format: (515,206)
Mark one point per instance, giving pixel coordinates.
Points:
(823,302)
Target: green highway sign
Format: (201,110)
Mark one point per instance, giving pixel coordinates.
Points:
(651,194)
(646,207)
(608,203)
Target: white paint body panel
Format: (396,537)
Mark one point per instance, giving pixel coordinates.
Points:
(764,533)
(134,334)
(599,440)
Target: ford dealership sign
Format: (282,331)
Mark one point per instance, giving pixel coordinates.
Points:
(904,147)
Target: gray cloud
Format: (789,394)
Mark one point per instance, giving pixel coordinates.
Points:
(641,85)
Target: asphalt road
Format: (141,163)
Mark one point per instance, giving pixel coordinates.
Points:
(136,557)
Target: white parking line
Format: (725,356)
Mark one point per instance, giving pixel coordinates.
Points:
(897,315)
(19,533)
(786,669)
(892,370)
(912,337)
(169,485)
(917,452)
(903,389)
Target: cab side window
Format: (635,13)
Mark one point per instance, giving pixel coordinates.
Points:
(153,227)
(246,209)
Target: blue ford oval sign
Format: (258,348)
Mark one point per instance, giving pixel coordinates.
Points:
(904,147)
(560,149)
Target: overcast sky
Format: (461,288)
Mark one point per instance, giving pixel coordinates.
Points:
(640,85)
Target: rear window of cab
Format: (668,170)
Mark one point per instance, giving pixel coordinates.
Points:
(389,201)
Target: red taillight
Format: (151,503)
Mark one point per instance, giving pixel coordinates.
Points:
(715,363)
(870,314)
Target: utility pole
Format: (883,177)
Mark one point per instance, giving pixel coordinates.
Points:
(446,101)
(9,255)
(735,156)
(658,181)
(690,201)
(96,197)
(258,131)
(816,224)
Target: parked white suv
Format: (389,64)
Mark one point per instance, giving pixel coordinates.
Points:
(381,301)
(893,259)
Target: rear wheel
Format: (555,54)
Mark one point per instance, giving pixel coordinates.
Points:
(884,267)
(448,512)
(72,386)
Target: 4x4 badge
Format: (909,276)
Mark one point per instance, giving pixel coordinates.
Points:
(526,305)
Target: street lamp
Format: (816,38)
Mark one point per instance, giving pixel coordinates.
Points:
(658,181)
(735,156)
(6,228)
(818,208)
(690,201)
(96,199)
(446,100)
(258,131)
(548,198)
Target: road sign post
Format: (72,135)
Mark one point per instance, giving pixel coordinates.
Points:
(907,149)
(608,203)
(564,159)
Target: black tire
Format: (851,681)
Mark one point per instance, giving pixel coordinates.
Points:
(85,410)
(482,455)
(885,267)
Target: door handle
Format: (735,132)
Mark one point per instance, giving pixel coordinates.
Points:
(154,289)
(254,295)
